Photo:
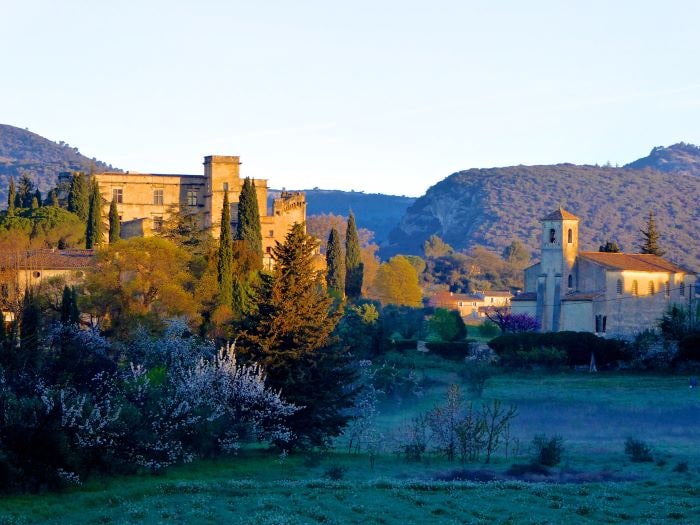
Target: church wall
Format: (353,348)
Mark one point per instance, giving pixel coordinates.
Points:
(524,307)
(577,316)
(531,274)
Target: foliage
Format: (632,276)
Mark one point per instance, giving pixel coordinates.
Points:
(224,259)
(94,235)
(11,196)
(45,227)
(511,323)
(455,350)
(79,195)
(69,306)
(114,225)
(354,268)
(476,373)
(675,323)
(689,348)
(488,329)
(547,450)
(397,283)
(183,227)
(248,226)
(359,329)
(335,276)
(638,451)
(447,325)
(609,247)
(650,238)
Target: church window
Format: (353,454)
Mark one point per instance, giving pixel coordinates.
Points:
(635,287)
(667,289)
(192,197)
(605,322)
(652,288)
(619,287)
(682,290)
(552,235)
(118,195)
(570,236)
(158,197)
(570,282)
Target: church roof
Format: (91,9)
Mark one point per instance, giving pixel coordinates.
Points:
(641,262)
(525,296)
(559,215)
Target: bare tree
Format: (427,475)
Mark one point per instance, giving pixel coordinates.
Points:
(496,420)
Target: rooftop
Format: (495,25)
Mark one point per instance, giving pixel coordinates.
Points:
(560,215)
(640,262)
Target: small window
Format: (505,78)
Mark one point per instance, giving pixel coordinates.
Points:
(158,197)
(652,288)
(605,323)
(118,195)
(681,290)
(570,236)
(570,281)
(225,186)
(268,249)
(157,224)
(635,287)
(667,289)
(552,235)
(619,287)
(271,233)
(120,218)
(191,197)
(598,323)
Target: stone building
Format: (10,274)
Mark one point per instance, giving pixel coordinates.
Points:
(145,200)
(611,294)
(472,306)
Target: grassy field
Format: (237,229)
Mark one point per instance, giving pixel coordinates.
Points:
(594,413)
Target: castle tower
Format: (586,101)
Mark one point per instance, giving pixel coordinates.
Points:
(222,175)
(559,250)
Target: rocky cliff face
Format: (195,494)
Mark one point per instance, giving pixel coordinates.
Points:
(490,207)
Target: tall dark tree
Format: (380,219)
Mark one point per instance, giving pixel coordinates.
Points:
(29,327)
(114,226)
(609,247)
(650,238)
(53,197)
(35,203)
(11,196)
(69,306)
(25,192)
(37,195)
(290,335)
(79,196)
(248,228)
(224,259)
(94,229)
(335,264)
(354,269)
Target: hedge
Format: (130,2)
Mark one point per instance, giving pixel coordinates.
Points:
(457,350)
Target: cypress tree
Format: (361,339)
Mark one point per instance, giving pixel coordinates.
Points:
(74,312)
(29,327)
(11,197)
(79,196)
(37,196)
(354,269)
(66,299)
(35,203)
(25,192)
(93,230)
(248,228)
(335,276)
(53,197)
(650,238)
(225,256)
(114,226)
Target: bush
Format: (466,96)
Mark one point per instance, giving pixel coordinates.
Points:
(548,450)
(476,374)
(638,451)
(488,330)
(689,348)
(681,467)
(456,350)
(334,472)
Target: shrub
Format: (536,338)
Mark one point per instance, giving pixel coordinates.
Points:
(334,472)
(689,348)
(638,451)
(681,467)
(548,450)
(476,374)
(488,329)
(456,350)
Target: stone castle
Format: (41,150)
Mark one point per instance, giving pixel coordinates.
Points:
(145,200)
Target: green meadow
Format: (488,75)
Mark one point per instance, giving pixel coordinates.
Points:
(595,482)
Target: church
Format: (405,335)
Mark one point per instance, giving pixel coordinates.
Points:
(609,294)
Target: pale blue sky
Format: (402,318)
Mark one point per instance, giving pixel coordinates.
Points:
(374,96)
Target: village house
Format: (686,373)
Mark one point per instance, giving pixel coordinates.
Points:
(610,294)
(471,307)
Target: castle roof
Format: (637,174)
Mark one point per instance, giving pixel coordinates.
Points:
(640,262)
(47,259)
(560,215)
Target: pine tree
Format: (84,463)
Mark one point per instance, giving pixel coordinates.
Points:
(79,196)
(650,238)
(335,264)
(11,197)
(114,226)
(290,334)
(354,269)
(248,228)
(225,256)
(93,230)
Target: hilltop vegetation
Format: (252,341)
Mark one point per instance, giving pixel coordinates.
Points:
(491,207)
(22,151)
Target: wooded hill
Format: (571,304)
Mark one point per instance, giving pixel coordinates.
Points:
(490,207)
(22,151)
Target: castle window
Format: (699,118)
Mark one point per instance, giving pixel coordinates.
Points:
(268,249)
(619,287)
(635,287)
(682,290)
(158,197)
(552,235)
(652,288)
(157,223)
(225,186)
(191,197)
(118,195)
(570,236)
(570,281)
(667,289)
(271,233)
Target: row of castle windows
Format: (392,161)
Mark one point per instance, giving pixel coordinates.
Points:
(118,196)
(651,288)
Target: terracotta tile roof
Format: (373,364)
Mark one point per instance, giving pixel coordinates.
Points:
(640,262)
(497,293)
(582,296)
(560,214)
(525,296)
(47,259)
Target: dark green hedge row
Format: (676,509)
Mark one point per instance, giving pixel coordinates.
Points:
(689,348)
(457,350)
(558,348)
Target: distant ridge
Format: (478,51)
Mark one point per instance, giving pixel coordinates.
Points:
(42,159)
(677,157)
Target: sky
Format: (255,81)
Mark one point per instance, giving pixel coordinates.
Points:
(373,96)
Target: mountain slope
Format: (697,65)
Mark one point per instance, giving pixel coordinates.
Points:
(22,151)
(491,207)
(679,157)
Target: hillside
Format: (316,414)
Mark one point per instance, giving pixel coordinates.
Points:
(376,212)
(491,207)
(42,159)
(679,157)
